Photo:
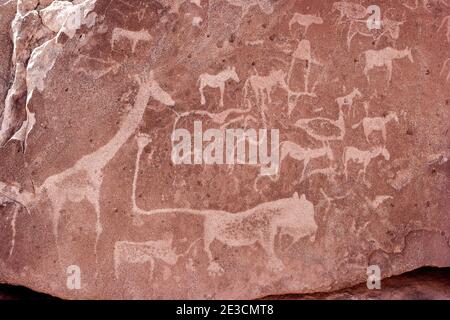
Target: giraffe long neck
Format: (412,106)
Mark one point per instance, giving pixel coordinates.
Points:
(127,128)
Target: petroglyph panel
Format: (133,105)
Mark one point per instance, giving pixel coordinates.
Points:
(309,145)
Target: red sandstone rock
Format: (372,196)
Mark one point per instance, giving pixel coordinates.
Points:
(93,91)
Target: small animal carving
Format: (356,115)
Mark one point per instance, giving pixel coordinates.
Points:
(216,81)
(390,29)
(363,157)
(347,101)
(144,252)
(293,150)
(305,20)
(133,36)
(376,124)
(262,87)
(384,58)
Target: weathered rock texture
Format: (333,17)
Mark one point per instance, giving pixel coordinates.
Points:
(91,92)
(425,283)
(422,284)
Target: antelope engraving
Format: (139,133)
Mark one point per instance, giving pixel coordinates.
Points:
(305,20)
(216,81)
(363,157)
(384,58)
(133,36)
(262,87)
(391,29)
(144,252)
(293,150)
(347,101)
(376,124)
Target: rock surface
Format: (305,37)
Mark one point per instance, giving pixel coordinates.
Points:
(92,92)
(423,284)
